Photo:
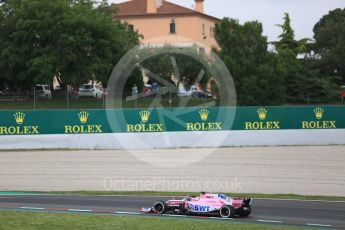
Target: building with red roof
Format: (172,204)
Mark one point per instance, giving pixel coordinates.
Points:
(162,22)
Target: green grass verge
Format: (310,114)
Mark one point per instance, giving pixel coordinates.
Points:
(37,220)
(114,193)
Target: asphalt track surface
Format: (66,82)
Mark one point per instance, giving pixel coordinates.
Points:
(318,214)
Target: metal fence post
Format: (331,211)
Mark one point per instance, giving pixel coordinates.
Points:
(67,97)
(308,99)
(170,98)
(103,100)
(34,98)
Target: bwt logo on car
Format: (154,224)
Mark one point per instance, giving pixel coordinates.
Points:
(199,208)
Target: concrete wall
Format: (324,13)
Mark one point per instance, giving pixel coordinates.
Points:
(176,139)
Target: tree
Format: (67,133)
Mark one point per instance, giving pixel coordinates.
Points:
(287,38)
(135,78)
(6,28)
(72,39)
(188,68)
(256,73)
(329,46)
(302,82)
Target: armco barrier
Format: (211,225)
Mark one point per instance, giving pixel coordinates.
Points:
(245,121)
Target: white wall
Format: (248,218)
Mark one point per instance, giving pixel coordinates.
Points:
(176,139)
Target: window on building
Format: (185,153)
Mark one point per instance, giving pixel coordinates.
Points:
(172,26)
(203,29)
(211,32)
(158,3)
(131,27)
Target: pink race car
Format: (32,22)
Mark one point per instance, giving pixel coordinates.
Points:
(219,204)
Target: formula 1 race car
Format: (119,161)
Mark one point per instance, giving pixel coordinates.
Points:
(219,204)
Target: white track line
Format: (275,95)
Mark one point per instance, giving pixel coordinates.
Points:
(282,199)
(271,221)
(79,210)
(220,218)
(171,215)
(32,208)
(320,225)
(129,213)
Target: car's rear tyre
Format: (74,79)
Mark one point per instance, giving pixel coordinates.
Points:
(227,211)
(245,211)
(160,207)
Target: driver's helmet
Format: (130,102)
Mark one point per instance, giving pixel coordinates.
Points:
(202,194)
(189,198)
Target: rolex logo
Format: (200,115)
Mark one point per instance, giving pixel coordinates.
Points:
(204,114)
(83,127)
(144,115)
(319,124)
(83,117)
(19,117)
(262,124)
(262,113)
(19,129)
(204,125)
(319,113)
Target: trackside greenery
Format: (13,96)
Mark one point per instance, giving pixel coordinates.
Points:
(37,221)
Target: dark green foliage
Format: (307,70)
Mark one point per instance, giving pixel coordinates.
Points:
(188,67)
(258,77)
(303,82)
(72,39)
(330,45)
(283,76)
(135,78)
(78,40)
(287,38)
